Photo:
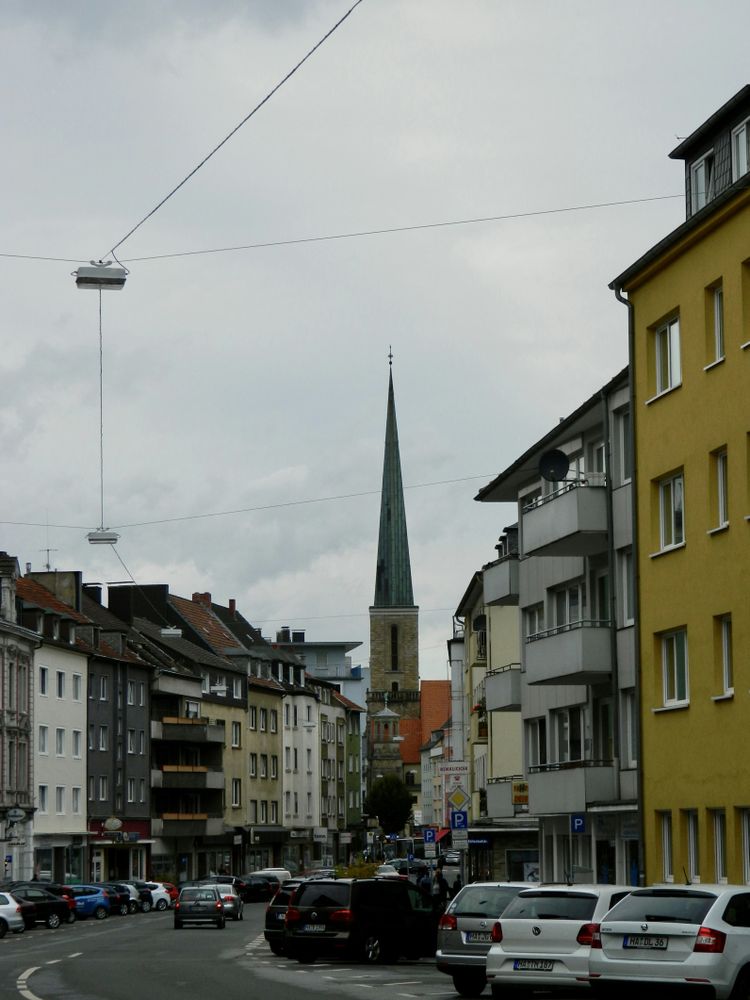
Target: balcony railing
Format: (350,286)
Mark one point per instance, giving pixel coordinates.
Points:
(503,688)
(574,653)
(571,521)
(570,786)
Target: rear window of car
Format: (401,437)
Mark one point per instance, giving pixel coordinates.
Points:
(4,901)
(322,894)
(681,906)
(551,906)
(198,893)
(482,900)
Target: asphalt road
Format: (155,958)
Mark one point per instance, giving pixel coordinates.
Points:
(140,957)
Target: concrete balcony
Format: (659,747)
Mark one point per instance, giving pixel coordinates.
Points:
(571,787)
(187,777)
(500,581)
(579,653)
(570,522)
(502,689)
(176,729)
(505,797)
(187,825)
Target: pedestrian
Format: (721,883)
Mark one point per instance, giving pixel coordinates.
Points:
(456,887)
(439,891)
(425,884)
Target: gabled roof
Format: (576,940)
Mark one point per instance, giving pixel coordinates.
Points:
(207,624)
(266,684)
(182,647)
(350,705)
(36,596)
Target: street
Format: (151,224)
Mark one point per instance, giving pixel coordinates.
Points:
(142,956)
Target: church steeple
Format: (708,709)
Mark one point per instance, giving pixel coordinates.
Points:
(393,587)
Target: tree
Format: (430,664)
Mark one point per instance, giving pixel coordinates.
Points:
(391,801)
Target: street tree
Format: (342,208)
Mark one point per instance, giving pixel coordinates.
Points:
(391,801)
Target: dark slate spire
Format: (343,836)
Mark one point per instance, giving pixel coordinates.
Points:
(393,574)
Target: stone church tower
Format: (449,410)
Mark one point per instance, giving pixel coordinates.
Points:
(394,620)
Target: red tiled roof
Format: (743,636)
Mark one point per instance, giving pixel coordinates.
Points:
(34,593)
(208,624)
(411,731)
(346,703)
(435,703)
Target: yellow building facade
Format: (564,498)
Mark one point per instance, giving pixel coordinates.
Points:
(689,302)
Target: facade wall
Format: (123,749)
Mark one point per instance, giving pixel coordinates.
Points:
(695,801)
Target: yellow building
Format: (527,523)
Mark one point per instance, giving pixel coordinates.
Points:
(689,304)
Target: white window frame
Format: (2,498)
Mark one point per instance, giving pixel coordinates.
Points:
(103,688)
(60,800)
(740,154)
(131,692)
(668,367)
(43,740)
(722,488)
(236,687)
(103,788)
(274,720)
(77,743)
(719,823)
(717,310)
(44,681)
(60,684)
(675,693)
(263,719)
(104,737)
(59,742)
(693,848)
(702,181)
(252,719)
(534,620)
(727,666)
(672,512)
(564,721)
(131,740)
(75,800)
(627,586)
(537,741)
(131,789)
(253,765)
(236,734)
(77,687)
(236,793)
(630,727)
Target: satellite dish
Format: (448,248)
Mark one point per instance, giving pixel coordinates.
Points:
(554,465)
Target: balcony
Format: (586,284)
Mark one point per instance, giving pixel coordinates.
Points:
(176,728)
(507,797)
(189,777)
(572,521)
(578,653)
(500,581)
(502,689)
(187,825)
(570,787)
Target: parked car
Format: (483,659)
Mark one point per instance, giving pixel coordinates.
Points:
(160,896)
(275,914)
(11,918)
(174,892)
(199,904)
(45,907)
(464,932)
(543,938)
(144,900)
(282,874)
(56,888)
(388,871)
(119,897)
(231,900)
(664,938)
(373,919)
(91,901)
(237,881)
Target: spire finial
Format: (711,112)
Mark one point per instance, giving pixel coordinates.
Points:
(390,355)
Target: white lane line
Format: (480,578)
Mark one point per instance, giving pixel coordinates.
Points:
(75,954)
(53,961)
(406,982)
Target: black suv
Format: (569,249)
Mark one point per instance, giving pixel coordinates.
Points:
(372,919)
(276,913)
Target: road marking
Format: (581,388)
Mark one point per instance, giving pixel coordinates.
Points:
(75,954)
(53,961)
(21,983)
(406,982)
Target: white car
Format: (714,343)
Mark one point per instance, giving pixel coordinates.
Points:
(387,871)
(543,937)
(675,936)
(162,900)
(10,915)
(282,874)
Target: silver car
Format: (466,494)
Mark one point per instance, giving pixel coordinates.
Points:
(464,932)
(10,915)
(230,898)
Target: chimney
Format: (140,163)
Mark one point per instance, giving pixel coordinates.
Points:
(204,599)
(232,607)
(94,591)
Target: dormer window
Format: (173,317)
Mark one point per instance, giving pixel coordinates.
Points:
(702,182)
(740,157)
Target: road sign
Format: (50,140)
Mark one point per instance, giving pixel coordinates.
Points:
(429,835)
(459,819)
(577,822)
(460,840)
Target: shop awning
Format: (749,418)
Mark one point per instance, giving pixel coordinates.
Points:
(442,833)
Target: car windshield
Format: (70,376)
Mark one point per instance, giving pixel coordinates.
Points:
(482,900)
(551,906)
(671,905)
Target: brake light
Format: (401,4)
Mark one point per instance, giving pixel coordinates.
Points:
(497,932)
(177,905)
(448,922)
(341,917)
(219,905)
(590,934)
(708,940)
(292,915)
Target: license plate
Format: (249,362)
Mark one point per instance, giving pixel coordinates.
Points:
(312,928)
(644,941)
(533,965)
(477,937)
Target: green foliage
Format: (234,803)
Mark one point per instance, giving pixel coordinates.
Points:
(391,801)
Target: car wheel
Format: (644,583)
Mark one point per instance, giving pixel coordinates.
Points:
(132,906)
(145,906)
(372,948)
(53,921)
(3,928)
(469,984)
(277,949)
(741,989)
(161,905)
(100,912)
(71,917)
(123,909)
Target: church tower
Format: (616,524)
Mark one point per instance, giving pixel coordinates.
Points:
(394,618)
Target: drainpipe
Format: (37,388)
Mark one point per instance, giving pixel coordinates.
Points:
(617,289)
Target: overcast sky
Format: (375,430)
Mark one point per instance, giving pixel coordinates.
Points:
(258,378)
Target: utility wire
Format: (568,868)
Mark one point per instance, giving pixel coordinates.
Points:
(236,129)
(403,229)
(248,510)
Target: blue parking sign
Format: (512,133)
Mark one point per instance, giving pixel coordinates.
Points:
(578,823)
(459,819)
(429,836)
